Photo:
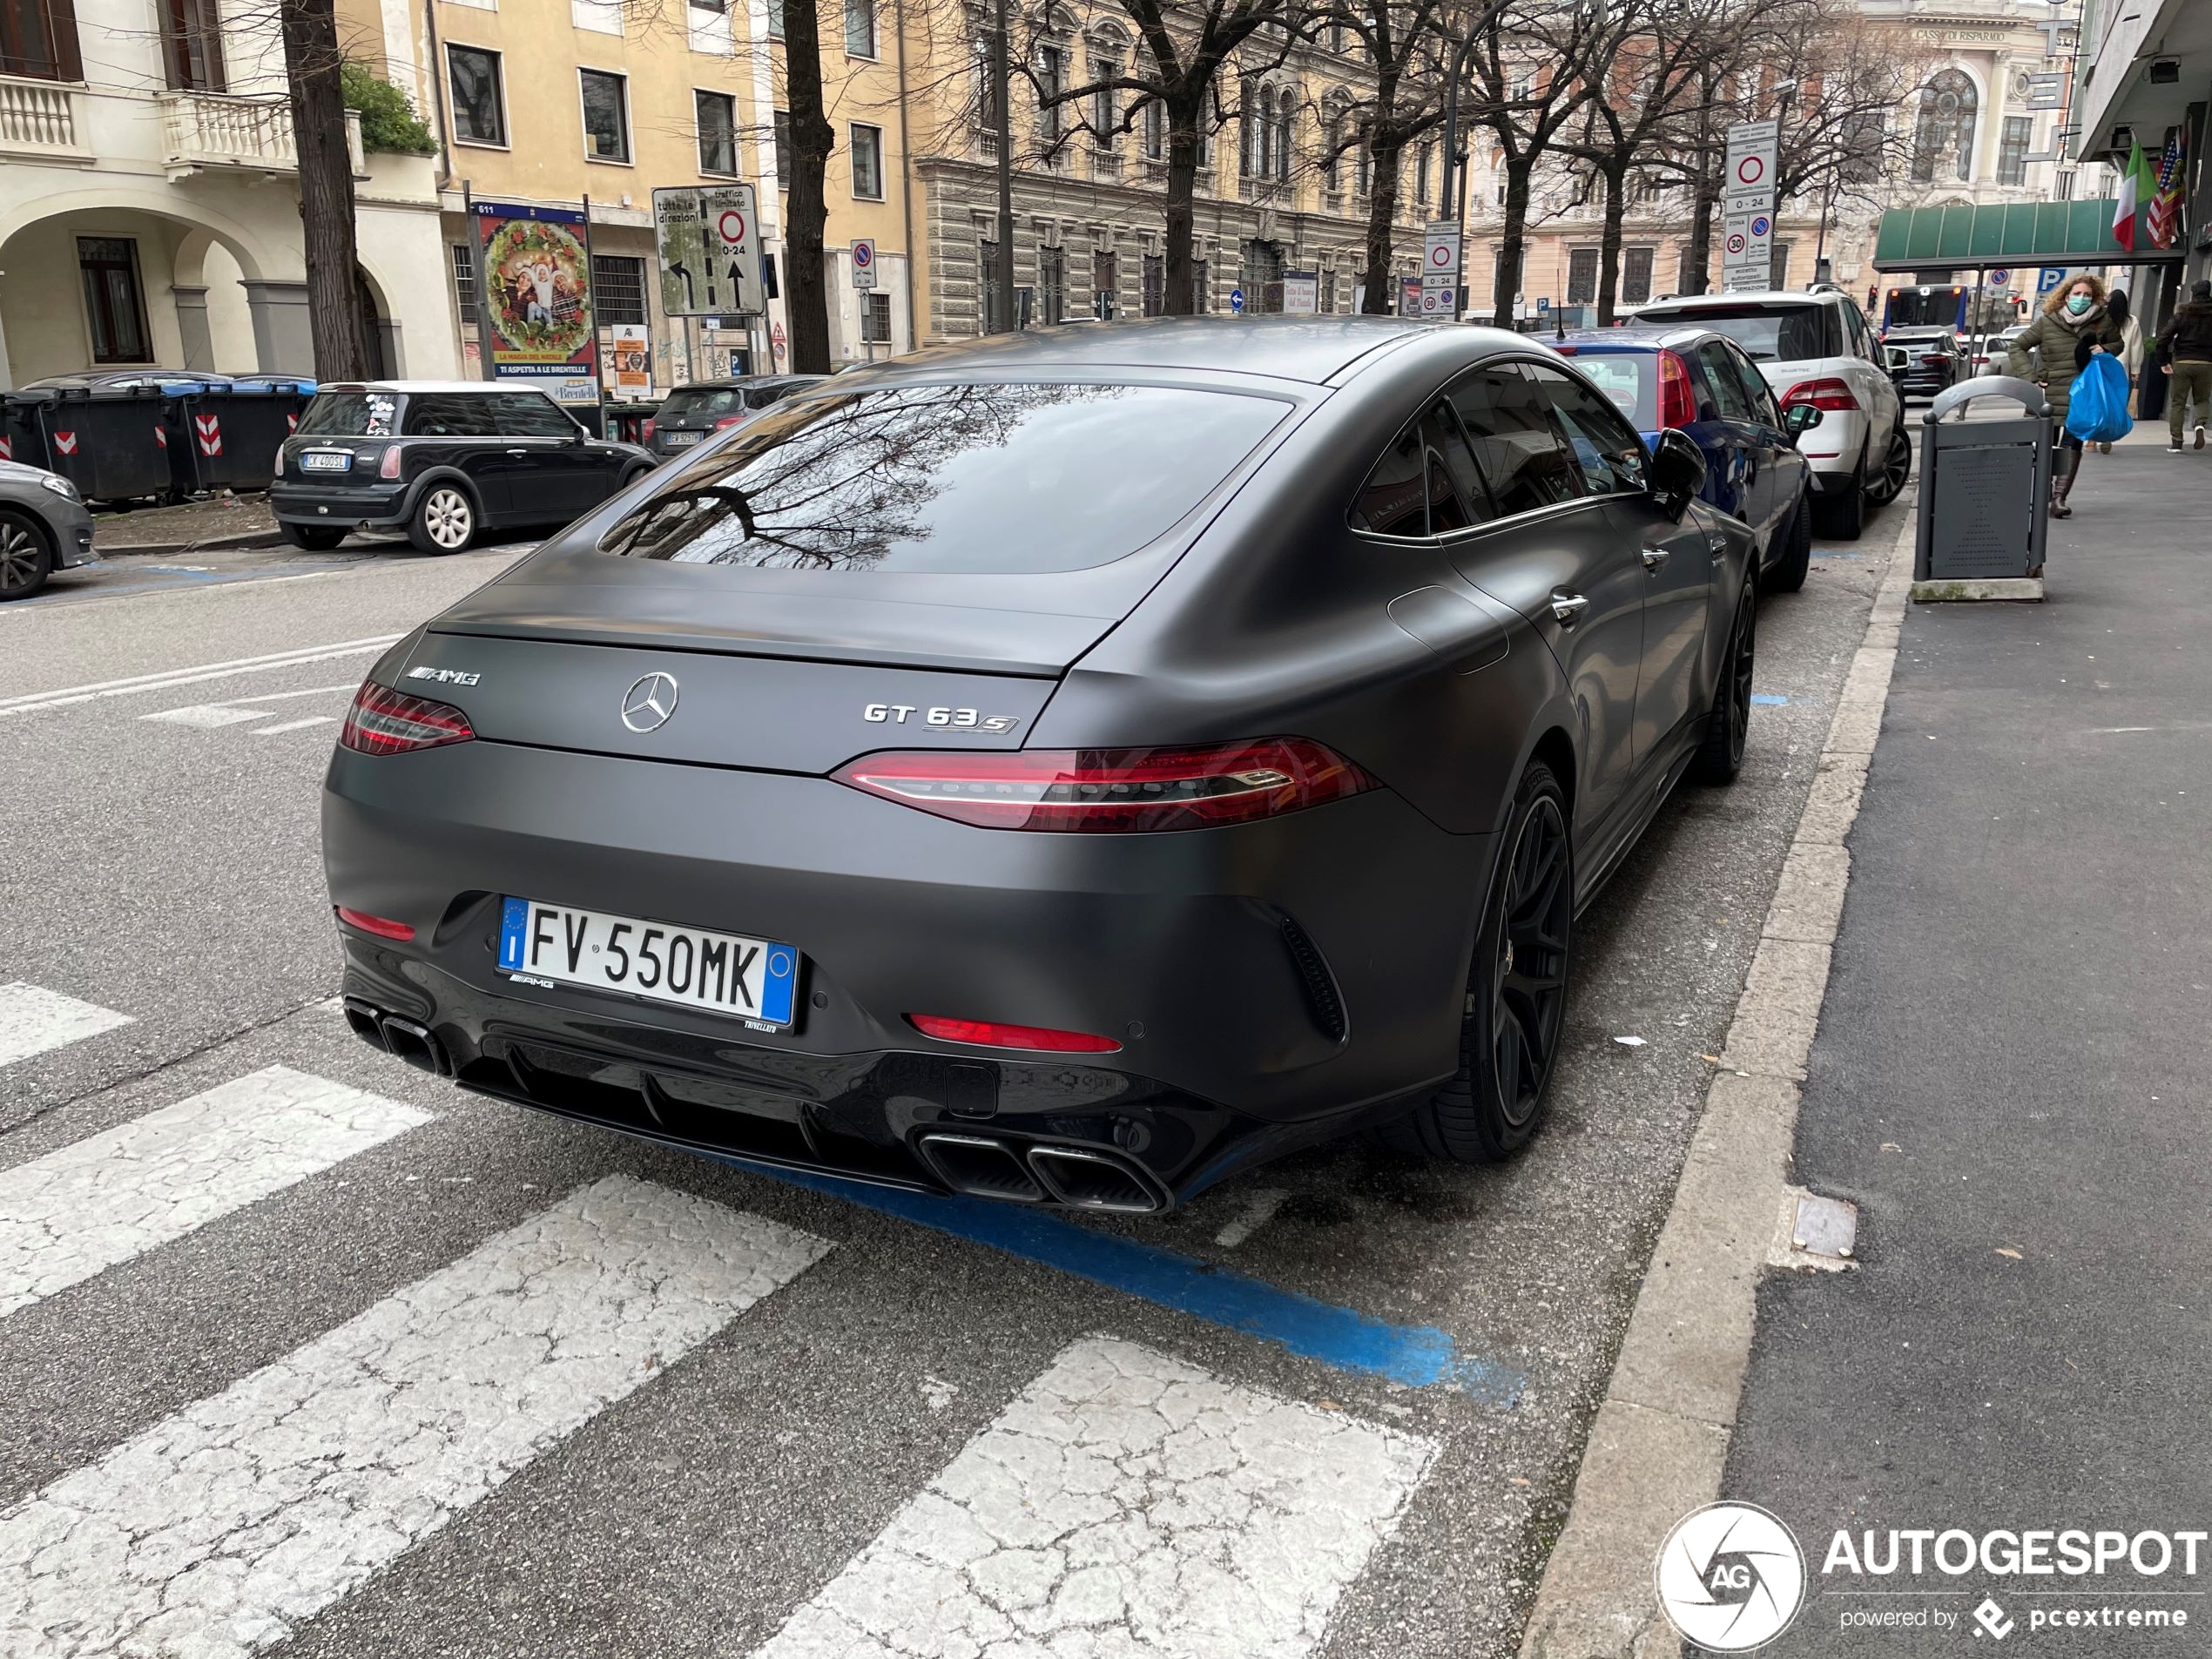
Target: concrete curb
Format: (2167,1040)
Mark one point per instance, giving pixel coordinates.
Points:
(170,550)
(1660,1442)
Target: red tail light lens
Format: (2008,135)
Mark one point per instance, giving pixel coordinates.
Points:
(1821,394)
(990,1035)
(385,722)
(1677,406)
(727,421)
(1107,790)
(382,926)
(645,432)
(389,467)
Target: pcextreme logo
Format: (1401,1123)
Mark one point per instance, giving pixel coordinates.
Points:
(1731,1577)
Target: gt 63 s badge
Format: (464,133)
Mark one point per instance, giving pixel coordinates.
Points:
(955,719)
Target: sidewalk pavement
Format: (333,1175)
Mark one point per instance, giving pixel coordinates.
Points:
(2011,1080)
(217,522)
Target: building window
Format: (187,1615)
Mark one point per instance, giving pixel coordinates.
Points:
(993,306)
(38,40)
(618,287)
(464,280)
(775,19)
(1263,277)
(1105,286)
(113,305)
(717,122)
(1420,175)
(606,115)
(1778,272)
(867,163)
(1156,131)
(1328,296)
(1156,284)
(479,107)
(192,46)
(859,27)
(875,320)
(1945,130)
(783,149)
(1200,289)
(1582,276)
(2012,153)
(1049,81)
(1285,129)
(1105,112)
(1636,274)
(1052,284)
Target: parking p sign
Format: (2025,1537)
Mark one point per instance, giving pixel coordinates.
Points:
(864,263)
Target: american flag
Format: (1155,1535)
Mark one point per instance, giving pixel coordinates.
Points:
(2164,220)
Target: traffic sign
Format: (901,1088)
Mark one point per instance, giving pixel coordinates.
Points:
(2049,278)
(864,263)
(1237,300)
(2000,278)
(1753,158)
(1437,303)
(708,241)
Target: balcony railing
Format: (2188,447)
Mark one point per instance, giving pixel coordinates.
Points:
(42,118)
(208,130)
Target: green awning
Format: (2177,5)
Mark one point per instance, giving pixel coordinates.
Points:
(2030,233)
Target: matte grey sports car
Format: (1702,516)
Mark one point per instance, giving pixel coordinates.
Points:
(1063,769)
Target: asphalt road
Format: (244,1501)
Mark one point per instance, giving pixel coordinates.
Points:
(2009,1081)
(436,1376)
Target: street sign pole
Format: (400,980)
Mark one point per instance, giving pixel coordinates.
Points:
(1748,205)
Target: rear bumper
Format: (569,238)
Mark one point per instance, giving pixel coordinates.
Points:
(298,503)
(1270,985)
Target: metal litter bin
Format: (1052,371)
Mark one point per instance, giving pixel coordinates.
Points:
(1984,486)
(226,435)
(111,442)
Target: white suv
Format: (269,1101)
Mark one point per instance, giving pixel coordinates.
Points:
(1815,348)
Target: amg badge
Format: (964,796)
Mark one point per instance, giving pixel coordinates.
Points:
(955,719)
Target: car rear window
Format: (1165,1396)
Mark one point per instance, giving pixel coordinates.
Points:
(697,403)
(976,479)
(1768,333)
(349,414)
(1630,379)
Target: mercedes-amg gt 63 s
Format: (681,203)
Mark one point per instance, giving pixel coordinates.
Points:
(1065,769)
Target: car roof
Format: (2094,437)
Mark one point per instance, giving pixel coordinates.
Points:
(1745,297)
(404,387)
(1314,349)
(1647,336)
(738,382)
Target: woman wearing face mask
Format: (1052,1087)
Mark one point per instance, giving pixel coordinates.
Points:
(2077,322)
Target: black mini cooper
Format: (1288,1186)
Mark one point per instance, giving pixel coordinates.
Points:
(441,460)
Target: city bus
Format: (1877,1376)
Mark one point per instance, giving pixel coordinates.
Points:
(1923,306)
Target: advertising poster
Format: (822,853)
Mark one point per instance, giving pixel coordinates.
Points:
(537,298)
(631,362)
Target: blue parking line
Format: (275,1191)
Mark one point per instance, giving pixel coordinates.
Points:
(1770,698)
(1418,1356)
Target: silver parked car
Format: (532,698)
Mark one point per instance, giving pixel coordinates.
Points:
(43,527)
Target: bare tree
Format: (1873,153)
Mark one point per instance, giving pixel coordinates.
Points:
(806,209)
(314,64)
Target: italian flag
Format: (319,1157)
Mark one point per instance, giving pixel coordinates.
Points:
(2137,184)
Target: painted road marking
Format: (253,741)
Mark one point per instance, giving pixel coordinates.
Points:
(1125,1501)
(105,1199)
(208,715)
(33,1020)
(72,695)
(1419,1356)
(1258,1209)
(219,1529)
(1769,699)
(295,725)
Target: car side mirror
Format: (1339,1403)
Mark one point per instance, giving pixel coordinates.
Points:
(1800,418)
(1677,471)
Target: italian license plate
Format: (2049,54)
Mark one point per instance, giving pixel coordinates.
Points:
(326,461)
(678,440)
(755,980)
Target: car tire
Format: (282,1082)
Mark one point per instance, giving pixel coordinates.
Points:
(444,520)
(1787,572)
(1728,723)
(1516,994)
(1888,481)
(1846,513)
(316,538)
(26,560)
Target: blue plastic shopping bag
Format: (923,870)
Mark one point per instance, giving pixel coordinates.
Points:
(2096,404)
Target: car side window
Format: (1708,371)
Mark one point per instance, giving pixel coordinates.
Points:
(449,415)
(1720,374)
(1425,483)
(1855,325)
(1607,451)
(1755,390)
(1456,500)
(1522,455)
(531,415)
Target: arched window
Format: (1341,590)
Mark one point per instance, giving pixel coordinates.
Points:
(1944,137)
(1285,129)
(1252,162)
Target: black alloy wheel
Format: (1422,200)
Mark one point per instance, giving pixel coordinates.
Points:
(1786,572)
(1516,994)
(1728,726)
(25,562)
(1888,481)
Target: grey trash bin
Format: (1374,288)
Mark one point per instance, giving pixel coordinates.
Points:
(1984,485)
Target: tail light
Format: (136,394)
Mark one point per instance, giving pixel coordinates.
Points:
(1677,406)
(645,432)
(990,1035)
(1821,394)
(1108,790)
(1567,351)
(389,467)
(1936,361)
(727,421)
(385,722)
(382,926)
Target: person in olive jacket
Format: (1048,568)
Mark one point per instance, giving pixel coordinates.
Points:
(2186,343)
(2078,321)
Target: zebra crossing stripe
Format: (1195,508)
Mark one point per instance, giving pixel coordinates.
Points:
(116,1195)
(33,1020)
(1127,1503)
(221,1528)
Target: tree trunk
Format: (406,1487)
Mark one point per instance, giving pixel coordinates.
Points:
(1382,211)
(806,212)
(1175,273)
(1697,257)
(312,61)
(1608,245)
(1513,237)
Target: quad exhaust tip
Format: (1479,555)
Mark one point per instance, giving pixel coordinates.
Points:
(401,1038)
(981,1166)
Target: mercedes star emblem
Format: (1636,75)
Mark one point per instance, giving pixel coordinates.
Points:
(646,705)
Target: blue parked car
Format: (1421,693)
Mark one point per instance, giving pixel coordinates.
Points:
(1701,382)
